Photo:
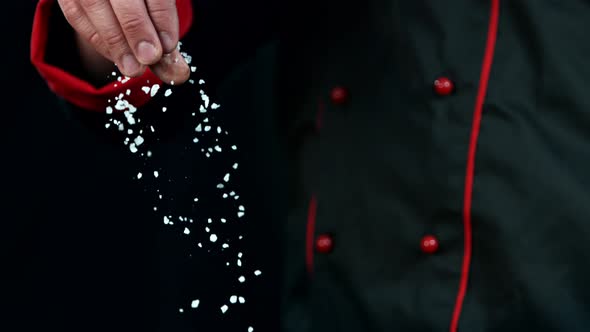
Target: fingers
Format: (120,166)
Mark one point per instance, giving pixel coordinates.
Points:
(138,30)
(172,68)
(165,19)
(101,15)
(77,18)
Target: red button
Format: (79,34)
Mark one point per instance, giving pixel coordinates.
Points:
(339,95)
(443,86)
(324,244)
(429,244)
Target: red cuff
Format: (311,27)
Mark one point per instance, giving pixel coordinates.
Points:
(77,91)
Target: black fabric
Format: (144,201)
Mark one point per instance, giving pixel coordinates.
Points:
(387,168)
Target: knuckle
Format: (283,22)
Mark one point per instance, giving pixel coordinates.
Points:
(133,24)
(91,4)
(163,12)
(71,12)
(115,40)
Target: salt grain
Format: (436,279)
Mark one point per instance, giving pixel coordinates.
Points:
(233,299)
(109,110)
(257,273)
(138,140)
(145,89)
(195,304)
(213,238)
(250,329)
(224,308)
(164,109)
(242,279)
(217,148)
(226,177)
(132,148)
(201,81)
(207,128)
(215,106)
(233,147)
(187,231)
(241,299)
(235,166)
(167,93)
(199,128)
(240,214)
(156,174)
(139,175)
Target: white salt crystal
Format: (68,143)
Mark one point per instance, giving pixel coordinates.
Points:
(109,110)
(128,92)
(164,109)
(181,310)
(146,89)
(233,299)
(195,304)
(201,81)
(223,220)
(187,231)
(132,148)
(193,69)
(166,220)
(202,109)
(224,195)
(129,131)
(167,93)
(171,82)
(220,186)
(240,214)
(199,128)
(207,229)
(149,153)
(107,125)
(217,148)
(235,166)
(250,329)
(156,174)
(239,255)
(139,175)
(234,147)
(218,130)
(224,308)
(257,273)
(239,263)
(200,245)
(213,238)
(209,220)
(205,99)
(138,140)
(191,81)
(225,246)
(242,279)
(242,299)
(195,140)
(241,208)
(232,193)
(196,199)
(215,106)
(207,128)
(226,177)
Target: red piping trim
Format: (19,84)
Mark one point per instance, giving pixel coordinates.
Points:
(468,195)
(310,233)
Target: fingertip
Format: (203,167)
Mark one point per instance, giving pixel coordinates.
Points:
(169,43)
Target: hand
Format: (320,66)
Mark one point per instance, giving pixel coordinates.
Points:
(133,34)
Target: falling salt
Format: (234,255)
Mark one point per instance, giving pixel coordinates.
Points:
(187,231)
(241,279)
(132,148)
(109,110)
(128,92)
(205,99)
(215,106)
(225,246)
(233,299)
(201,81)
(220,186)
(166,220)
(156,174)
(257,273)
(195,304)
(224,195)
(242,299)
(202,109)
(139,175)
(167,93)
(213,238)
(235,166)
(207,128)
(239,255)
(226,177)
(181,310)
(154,89)
(240,214)
(138,140)
(193,69)
(198,128)
(241,208)
(239,263)
(217,148)
(232,193)
(233,147)
(145,89)
(223,220)
(224,308)
(164,109)
(195,140)
(250,329)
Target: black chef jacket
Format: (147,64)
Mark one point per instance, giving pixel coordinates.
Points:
(418,166)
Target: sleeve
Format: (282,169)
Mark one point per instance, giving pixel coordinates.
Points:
(76,90)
